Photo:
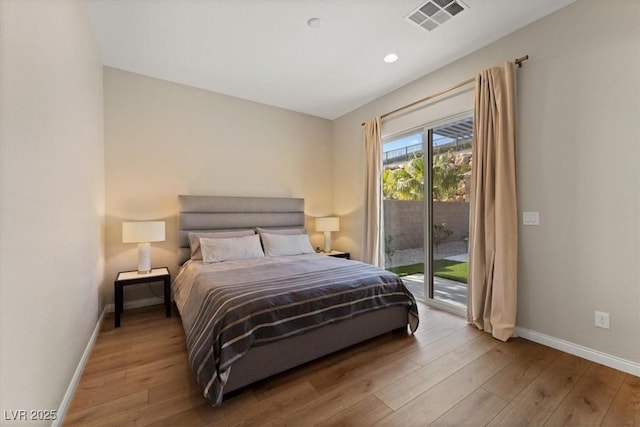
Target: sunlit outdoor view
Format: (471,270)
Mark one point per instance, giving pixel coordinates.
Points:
(403,182)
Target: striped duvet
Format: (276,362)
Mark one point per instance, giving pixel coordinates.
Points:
(229,307)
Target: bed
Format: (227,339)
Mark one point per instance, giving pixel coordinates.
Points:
(260,334)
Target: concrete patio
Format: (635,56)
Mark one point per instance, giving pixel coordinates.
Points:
(445,290)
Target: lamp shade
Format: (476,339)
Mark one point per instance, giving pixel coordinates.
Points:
(143,231)
(330,223)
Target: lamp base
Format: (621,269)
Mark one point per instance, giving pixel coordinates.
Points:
(327,241)
(144,258)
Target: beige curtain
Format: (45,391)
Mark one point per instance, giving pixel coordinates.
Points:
(373,250)
(493,228)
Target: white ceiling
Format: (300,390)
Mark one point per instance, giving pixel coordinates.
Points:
(264,51)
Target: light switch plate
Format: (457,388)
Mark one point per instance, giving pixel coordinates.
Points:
(531,218)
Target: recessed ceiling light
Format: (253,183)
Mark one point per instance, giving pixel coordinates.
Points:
(390,58)
(314,22)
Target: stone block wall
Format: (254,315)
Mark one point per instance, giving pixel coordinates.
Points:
(404,221)
(456,215)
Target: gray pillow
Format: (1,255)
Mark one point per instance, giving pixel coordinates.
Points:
(282,230)
(194,238)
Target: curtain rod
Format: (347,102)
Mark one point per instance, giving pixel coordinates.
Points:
(518,62)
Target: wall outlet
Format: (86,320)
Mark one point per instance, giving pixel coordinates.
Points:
(602,319)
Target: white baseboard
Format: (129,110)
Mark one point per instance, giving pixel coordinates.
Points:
(615,362)
(110,308)
(66,400)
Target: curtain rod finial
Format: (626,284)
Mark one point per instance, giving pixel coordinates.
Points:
(519,61)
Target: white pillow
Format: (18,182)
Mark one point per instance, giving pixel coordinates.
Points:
(234,248)
(194,238)
(286,244)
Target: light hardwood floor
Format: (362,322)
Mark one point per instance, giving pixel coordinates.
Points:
(448,374)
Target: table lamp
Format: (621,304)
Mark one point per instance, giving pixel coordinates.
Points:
(327,225)
(142,233)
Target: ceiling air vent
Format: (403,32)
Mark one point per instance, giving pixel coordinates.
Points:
(434,13)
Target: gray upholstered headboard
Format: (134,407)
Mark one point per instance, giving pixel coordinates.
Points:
(202,213)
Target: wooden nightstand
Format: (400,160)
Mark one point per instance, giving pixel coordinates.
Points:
(133,278)
(337,254)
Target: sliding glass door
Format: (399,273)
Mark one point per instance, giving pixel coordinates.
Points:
(403,180)
(450,182)
(426,188)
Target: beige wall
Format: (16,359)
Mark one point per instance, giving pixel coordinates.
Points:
(579,103)
(163,139)
(578,153)
(51,198)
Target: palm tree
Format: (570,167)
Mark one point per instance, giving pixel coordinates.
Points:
(389,184)
(410,180)
(407,182)
(448,180)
